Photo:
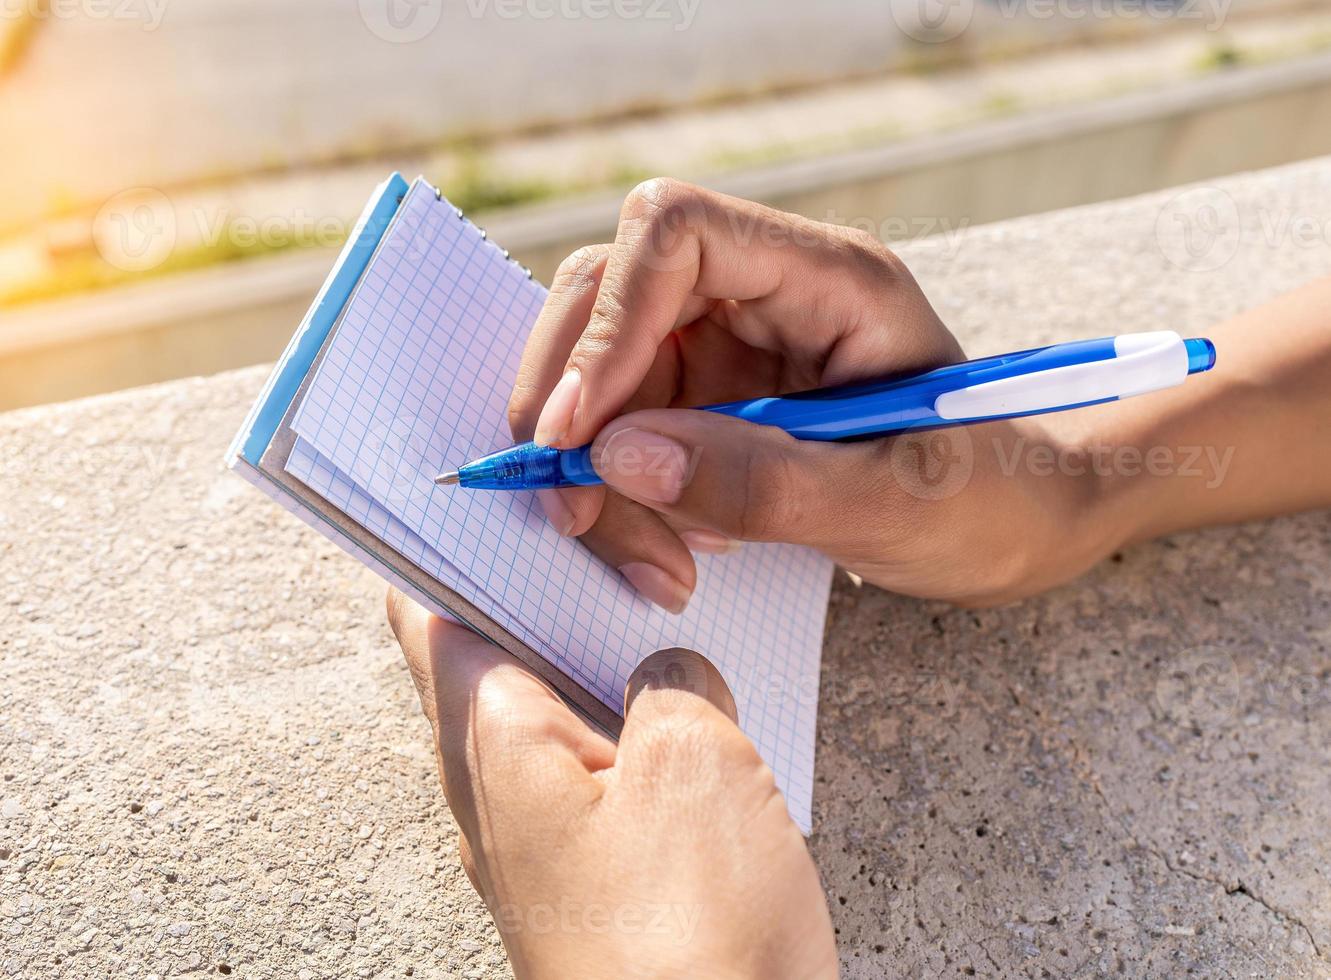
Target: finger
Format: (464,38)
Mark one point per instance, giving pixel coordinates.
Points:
(575,510)
(681,741)
(560,323)
(510,750)
(748,482)
(676,675)
(805,287)
(650,556)
(698,539)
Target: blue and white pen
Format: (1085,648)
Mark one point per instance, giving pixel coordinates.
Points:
(1031,382)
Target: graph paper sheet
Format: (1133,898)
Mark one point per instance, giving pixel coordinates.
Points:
(416,379)
(306,465)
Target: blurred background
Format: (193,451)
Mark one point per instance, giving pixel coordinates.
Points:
(176,175)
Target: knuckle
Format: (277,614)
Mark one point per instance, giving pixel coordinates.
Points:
(598,339)
(661,215)
(865,254)
(577,271)
(863,247)
(609,317)
(696,755)
(518,411)
(524,405)
(656,195)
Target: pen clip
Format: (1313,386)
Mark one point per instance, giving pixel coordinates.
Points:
(1142,362)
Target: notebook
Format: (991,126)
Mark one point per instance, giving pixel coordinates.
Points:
(403,367)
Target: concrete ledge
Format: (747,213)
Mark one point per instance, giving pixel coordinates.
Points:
(211,755)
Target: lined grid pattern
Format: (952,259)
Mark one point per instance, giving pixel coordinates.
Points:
(306,465)
(417,379)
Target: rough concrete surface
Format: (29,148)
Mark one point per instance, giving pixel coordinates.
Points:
(213,762)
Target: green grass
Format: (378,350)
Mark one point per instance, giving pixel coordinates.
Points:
(473,186)
(85,270)
(476,187)
(1221,56)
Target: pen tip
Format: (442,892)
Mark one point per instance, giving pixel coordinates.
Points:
(447,479)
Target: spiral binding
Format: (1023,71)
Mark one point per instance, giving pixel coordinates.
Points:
(439,196)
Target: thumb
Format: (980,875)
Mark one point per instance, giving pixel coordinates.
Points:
(677,679)
(749,482)
(681,740)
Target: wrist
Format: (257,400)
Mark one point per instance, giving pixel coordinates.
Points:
(1064,508)
(1099,498)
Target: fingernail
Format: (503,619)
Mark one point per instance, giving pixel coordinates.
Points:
(557,415)
(658,585)
(644,465)
(556,511)
(709,543)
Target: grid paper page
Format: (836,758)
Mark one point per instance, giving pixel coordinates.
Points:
(307,466)
(418,378)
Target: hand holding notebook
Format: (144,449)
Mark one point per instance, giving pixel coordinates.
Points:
(407,360)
